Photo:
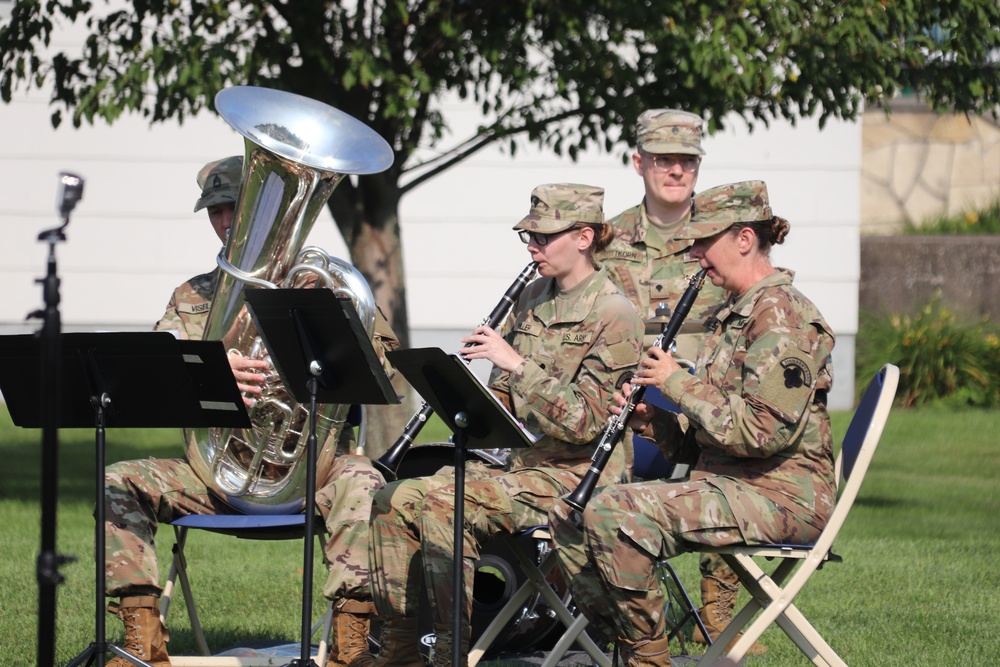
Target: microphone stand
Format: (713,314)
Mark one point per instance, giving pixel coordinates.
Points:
(48,562)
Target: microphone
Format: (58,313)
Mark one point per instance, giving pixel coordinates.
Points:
(68,193)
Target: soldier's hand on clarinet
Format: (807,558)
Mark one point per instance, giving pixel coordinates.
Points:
(642,412)
(485,343)
(250,376)
(655,368)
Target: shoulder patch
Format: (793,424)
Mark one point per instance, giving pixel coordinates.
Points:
(788,385)
(796,373)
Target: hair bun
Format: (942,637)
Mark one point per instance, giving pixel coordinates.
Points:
(779,230)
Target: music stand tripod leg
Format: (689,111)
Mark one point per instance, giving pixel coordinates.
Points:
(96,652)
(305,656)
(458,574)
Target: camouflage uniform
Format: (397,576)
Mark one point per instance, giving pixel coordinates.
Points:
(187,310)
(649,264)
(576,345)
(651,270)
(761,440)
(141,494)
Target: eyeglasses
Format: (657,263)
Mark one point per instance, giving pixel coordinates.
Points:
(689,163)
(541,239)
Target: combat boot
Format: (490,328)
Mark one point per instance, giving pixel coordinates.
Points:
(399,639)
(145,636)
(646,653)
(349,643)
(443,645)
(718,597)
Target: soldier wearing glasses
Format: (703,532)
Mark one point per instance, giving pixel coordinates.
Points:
(570,339)
(650,262)
(647,260)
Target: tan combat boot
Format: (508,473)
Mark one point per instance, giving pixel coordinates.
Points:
(145,636)
(443,645)
(646,653)
(400,644)
(349,643)
(718,596)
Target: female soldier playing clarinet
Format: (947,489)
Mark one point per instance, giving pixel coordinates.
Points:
(572,336)
(759,430)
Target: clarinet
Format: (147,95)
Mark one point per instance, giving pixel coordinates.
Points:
(388,463)
(615,428)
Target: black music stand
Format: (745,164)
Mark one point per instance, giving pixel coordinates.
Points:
(105,380)
(478,420)
(324,355)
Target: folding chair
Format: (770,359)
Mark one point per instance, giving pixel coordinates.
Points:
(648,464)
(249,527)
(771,596)
(536,584)
(243,526)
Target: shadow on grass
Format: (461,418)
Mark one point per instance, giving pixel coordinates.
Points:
(21,452)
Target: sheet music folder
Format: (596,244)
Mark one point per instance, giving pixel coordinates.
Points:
(449,386)
(152,379)
(298,325)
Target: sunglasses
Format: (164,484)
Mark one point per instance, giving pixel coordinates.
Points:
(541,239)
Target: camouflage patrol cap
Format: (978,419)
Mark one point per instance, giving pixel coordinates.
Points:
(717,209)
(559,206)
(667,131)
(220,182)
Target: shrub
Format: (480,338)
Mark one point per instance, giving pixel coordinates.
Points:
(941,359)
(982,221)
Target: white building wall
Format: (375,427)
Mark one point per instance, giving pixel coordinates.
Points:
(133,237)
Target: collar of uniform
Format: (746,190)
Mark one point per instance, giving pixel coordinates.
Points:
(744,303)
(654,239)
(547,313)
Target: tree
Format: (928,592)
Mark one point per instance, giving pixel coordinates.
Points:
(563,75)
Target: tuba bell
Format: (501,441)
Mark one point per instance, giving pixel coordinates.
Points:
(296,152)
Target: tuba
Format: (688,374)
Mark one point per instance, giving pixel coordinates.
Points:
(296,152)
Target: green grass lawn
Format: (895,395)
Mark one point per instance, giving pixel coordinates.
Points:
(918,586)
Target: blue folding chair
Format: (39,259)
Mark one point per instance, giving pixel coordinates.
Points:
(772,596)
(243,526)
(648,464)
(248,527)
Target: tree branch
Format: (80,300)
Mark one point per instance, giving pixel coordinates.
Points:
(474,144)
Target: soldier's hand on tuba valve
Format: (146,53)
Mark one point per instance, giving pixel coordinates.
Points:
(250,374)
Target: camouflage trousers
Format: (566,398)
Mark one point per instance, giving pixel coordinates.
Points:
(412,531)
(627,528)
(140,494)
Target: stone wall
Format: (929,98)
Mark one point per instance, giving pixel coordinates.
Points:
(917,165)
(900,274)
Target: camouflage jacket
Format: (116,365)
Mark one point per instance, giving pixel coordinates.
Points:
(650,271)
(187,310)
(758,401)
(576,348)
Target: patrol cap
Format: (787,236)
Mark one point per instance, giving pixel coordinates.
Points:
(717,209)
(220,182)
(559,206)
(665,131)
